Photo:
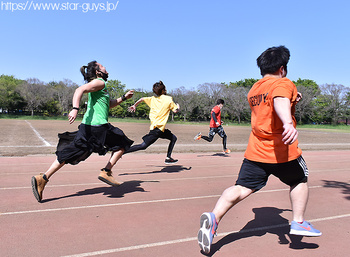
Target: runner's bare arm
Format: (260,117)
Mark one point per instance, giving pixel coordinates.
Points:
(132,108)
(92,86)
(115,102)
(283,110)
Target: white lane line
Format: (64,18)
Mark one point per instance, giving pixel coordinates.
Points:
(26,146)
(134,203)
(38,135)
(177,241)
(145,181)
(108,205)
(233,146)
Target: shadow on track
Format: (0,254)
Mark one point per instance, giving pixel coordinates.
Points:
(267,220)
(165,169)
(112,192)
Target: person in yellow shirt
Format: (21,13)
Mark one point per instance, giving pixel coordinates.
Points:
(160,105)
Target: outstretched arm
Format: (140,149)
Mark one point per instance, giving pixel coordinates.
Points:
(283,110)
(132,108)
(116,102)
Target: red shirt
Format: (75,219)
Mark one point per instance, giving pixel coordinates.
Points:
(216,109)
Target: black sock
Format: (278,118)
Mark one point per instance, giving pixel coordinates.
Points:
(44,177)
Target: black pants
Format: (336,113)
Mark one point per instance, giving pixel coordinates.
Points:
(152,137)
(220,131)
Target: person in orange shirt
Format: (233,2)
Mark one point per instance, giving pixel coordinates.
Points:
(215,126)
(272,148)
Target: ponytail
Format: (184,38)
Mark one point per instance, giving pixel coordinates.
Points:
(89,71)
(82,70)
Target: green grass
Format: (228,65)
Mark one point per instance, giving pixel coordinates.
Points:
(340,128)
(25,117)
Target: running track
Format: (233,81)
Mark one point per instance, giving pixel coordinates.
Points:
(156,211)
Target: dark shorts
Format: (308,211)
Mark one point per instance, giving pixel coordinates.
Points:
(155,134)
(254,175)
(74,147)
(219,130)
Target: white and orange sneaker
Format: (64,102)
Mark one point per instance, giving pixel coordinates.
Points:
(198,136)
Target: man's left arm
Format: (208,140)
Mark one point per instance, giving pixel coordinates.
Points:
(175,107)
(213,115)
(115,102)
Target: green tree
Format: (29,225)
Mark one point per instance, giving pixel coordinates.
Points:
(116,89)
(142,109)
(10,99)
(309,89)
(247,83)
(308,83)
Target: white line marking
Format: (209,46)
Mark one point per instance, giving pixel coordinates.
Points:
(176,241)
(108,205)
(232,146)
(92,184)
(133,203)
(37,133)
(23,146)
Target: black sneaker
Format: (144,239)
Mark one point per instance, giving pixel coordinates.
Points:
(170,160)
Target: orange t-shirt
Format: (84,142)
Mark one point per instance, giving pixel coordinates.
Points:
(265,141)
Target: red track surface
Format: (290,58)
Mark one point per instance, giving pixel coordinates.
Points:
(156,211)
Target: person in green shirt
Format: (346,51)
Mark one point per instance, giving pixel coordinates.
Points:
(95,134)
(160,105)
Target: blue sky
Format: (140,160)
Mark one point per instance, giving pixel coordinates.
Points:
(183,42)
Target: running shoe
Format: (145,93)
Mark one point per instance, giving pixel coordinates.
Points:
(303,229)
(207,231)
(227,151)
(170,160)
(198,136)
(107,177)
(38,185)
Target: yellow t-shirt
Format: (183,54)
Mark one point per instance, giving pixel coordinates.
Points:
(160,109)
(265,141)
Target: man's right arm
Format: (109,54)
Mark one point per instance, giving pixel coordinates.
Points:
(283,110)
(132,108)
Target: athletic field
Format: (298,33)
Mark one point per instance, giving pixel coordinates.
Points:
(156,211)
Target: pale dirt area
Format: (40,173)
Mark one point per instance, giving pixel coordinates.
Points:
(21,138)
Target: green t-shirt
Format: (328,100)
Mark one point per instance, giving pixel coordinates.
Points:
(97,107)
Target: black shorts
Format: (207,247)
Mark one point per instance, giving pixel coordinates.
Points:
(219,130)
(74,147)
(156,133)
(254,175)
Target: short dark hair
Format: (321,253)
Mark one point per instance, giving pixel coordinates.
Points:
(158,88)
(272,59)
(90,73)
(220,101)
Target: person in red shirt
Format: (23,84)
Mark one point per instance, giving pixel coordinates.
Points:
(272,148)
(215,126)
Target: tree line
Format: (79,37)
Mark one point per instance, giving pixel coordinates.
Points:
(321,104)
